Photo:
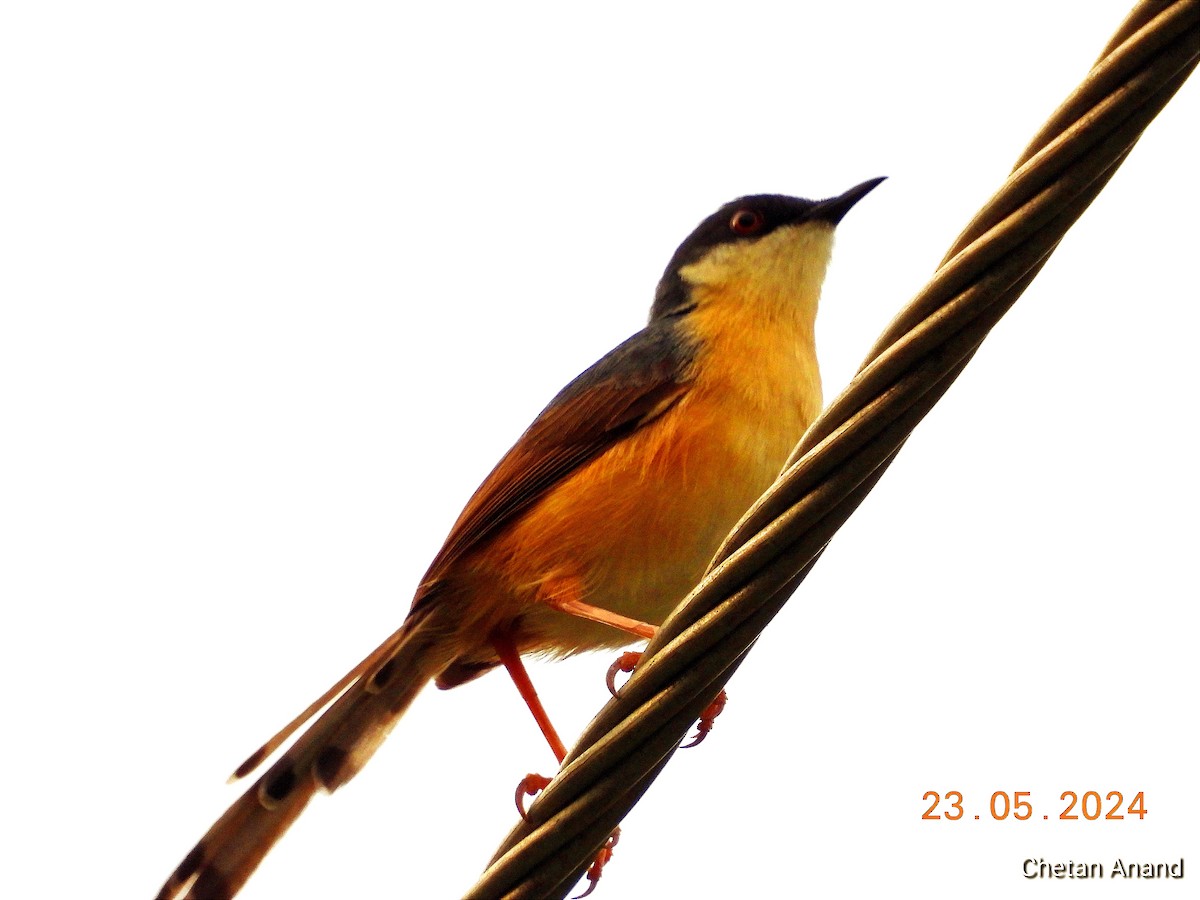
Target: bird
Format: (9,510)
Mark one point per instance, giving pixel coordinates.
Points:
(596,523)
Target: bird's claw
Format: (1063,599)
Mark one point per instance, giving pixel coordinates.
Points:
(527,787)
(626,662)
(603,855)
(707,716)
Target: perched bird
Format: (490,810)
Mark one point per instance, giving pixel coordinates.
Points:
(597,522)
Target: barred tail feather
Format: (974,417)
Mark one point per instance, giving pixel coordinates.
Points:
(327,755)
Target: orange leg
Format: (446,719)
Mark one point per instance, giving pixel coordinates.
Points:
(507,651)
(533,783)
(583,610)
(563,595)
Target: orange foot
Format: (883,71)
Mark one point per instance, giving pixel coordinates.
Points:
(628,661)
(708,716)
(528,786)
(603,855)
(532,784)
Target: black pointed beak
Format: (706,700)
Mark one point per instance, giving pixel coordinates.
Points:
(834,208)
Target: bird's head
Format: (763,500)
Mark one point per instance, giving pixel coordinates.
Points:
(763,248)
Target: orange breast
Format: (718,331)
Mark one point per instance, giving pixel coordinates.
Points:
(637,527)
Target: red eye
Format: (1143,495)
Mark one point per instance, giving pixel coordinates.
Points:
(746,221)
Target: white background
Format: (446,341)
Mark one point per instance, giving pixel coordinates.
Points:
(280,283)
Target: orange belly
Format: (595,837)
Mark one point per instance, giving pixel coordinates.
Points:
(635,529)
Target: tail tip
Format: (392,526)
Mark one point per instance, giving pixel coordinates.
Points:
(253,761)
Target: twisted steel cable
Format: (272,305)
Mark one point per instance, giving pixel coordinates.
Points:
(846,451)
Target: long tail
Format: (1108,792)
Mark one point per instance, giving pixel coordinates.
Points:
(374,695)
